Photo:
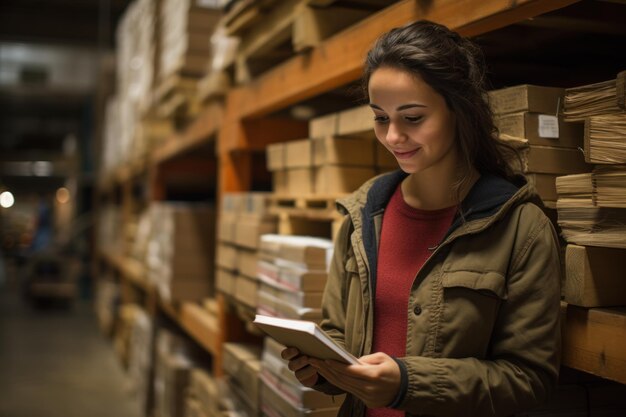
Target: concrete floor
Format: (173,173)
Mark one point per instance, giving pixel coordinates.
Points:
(56,363)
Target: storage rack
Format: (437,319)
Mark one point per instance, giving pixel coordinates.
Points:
(594,342)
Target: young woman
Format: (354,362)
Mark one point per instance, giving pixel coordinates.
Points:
(445,276)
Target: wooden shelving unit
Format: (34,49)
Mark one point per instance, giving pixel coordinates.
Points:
(250,119)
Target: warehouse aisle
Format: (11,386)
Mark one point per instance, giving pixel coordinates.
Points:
(55,363)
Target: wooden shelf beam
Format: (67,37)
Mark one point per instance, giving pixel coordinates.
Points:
(594,341)
(200,132)
(339,59)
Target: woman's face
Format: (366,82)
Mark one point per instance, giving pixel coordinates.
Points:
(412,120)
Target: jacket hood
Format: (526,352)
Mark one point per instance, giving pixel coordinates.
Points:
(490,196)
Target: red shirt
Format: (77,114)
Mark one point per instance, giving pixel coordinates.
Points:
(406,235)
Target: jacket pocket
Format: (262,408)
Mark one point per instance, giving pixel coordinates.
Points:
(471,301)
(489,283)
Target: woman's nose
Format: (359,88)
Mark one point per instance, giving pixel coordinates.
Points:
(394,134)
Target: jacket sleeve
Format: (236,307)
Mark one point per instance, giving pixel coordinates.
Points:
(523,363)
(333,307)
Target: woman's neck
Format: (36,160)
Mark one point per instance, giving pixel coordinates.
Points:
(434,188)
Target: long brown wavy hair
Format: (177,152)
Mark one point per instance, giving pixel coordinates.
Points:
(454,67)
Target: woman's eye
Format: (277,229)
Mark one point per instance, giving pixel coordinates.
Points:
(381,119)
(413,119)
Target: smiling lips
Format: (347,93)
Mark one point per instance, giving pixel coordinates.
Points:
(405,155)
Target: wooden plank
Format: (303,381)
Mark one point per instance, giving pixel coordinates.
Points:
(312,25)
(200,325)
(258,133)
(595,342)
(594,276)
(204,127)
(338,60)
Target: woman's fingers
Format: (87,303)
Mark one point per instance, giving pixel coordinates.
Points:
(289,353)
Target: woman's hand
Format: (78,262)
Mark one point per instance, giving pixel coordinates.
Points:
(299,365)
(375,380)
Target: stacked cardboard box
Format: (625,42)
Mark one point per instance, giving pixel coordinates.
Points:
(176,359)
(179,255)
(281,393)
(139,355)
(109,228)
(242,365)
(293,273)
(106,299)
(527,118)
(243,219)
(340,156)
(186,28)
(203,398)
(592,209)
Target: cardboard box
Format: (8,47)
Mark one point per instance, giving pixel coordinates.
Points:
(276,156)
(246,290)
(190,266)
(551,160)
(232,203)
(279,182)
(303,280)
(594,276)
(272,398)
(243,363)
(295,298)
(527,98)
(187,290)
(336,179)
(541,129)
(545,184)
(249,229)
(331,150)
(226,256)
(324,126)
(298,154)
(247,262)
(226,227)
(225,281)
(203,388)
(256,203)
(384,158)
(300,181)
(303,250)
(357,120)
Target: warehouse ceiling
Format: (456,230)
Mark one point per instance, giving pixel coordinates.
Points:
(50,52)
(65,22)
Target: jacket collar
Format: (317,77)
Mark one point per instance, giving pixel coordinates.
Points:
(488,196)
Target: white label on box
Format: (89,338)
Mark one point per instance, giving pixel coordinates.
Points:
(548,126)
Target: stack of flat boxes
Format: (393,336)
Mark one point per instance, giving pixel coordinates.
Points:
(176,359)
(595,257)
(282,395)
(179,254)
(105,302)
(135,76)
(186,29)
(552,147)
(202,396)
(293,272)
(243,219)
(340,156)
(139,360)
(242,366)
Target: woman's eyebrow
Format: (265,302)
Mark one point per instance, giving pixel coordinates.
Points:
(400,108)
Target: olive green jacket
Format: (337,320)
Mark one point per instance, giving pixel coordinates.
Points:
(483,314)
